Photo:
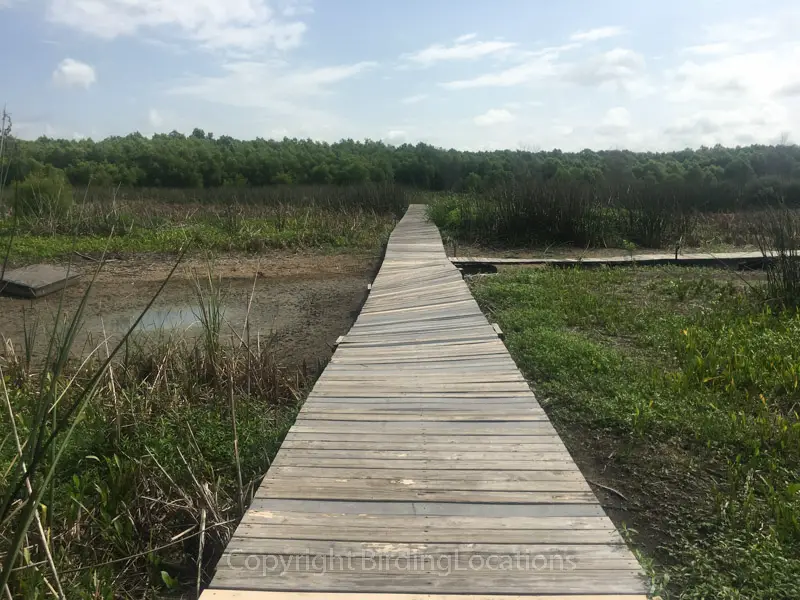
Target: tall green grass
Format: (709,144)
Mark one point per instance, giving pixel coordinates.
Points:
(225,219)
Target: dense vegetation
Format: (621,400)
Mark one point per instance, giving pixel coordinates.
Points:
(53,220)
(140,469)
(671,215)
(679,389)
(201,160)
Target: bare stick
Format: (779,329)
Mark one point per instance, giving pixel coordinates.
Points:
(112,386)
(200,550)
(246,333)
(85,256)
(609,489)
(236,447)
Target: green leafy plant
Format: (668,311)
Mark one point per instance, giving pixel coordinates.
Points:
(45,194)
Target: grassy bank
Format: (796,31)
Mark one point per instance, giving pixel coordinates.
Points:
(679,389)
(246,220)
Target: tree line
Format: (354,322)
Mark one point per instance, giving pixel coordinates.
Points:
(201,160)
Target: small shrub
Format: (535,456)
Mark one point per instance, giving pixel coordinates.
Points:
(44,193)
(777,233)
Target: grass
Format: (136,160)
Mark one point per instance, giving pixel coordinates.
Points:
(681,386)
(162,221)
(165,454)
(254,235)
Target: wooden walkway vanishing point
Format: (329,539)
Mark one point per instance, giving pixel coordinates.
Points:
(422,468)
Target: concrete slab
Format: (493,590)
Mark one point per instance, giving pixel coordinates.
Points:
(35,281)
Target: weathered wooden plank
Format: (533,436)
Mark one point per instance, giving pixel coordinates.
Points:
(415,440)
(287,460)
(426,522)
(429,417)
(430,508)
(277,547)
(260,595)
(278,481)
(415,522)
(407,489)
(530,428)
(389,471)
(367,561)
(388,535)
(414,454)
(468,404)
(402,445)
(387,494)
(501,582)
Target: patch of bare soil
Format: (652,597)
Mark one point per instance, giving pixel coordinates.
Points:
(300,302)
(647,489)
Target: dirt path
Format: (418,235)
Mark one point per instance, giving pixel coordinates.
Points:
(303,302)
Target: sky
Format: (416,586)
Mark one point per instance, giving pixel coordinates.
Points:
(467,74)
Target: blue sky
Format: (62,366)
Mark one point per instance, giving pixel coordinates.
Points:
(469,74)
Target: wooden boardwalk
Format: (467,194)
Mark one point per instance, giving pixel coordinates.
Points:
(422,467)
(736,260)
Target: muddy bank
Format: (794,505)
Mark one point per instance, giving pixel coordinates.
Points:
(300,302)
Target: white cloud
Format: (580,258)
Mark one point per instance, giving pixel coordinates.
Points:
(538,65)
(790,89)
(242,25)
(746,32)
(711,49)
(296,8)
(731,126)
(74,73)
(415,99)
(155,118)
(29,130)
(619,65)
(494,116)
(617,120)
(276,91)
(622,67)
(267,83)
(394,135)
(735,76)
(599,33)
(465,47)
